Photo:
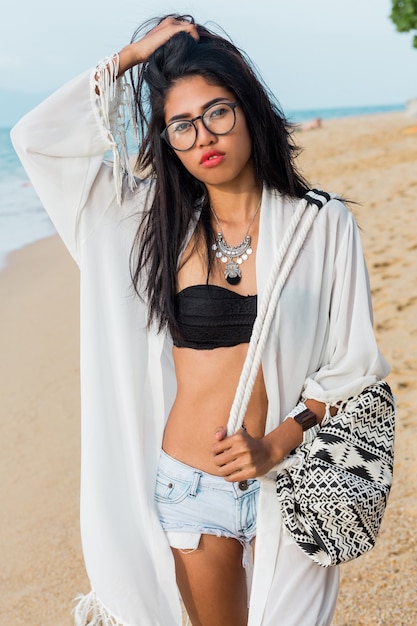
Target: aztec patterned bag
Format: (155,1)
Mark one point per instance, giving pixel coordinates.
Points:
(333,496)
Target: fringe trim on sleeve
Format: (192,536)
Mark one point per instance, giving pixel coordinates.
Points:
(113,106)
(90,612)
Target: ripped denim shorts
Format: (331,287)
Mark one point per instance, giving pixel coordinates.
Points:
(191,502)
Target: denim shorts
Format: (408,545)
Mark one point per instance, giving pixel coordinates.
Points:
(191,502)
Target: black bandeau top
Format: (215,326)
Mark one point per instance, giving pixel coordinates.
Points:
(211,317)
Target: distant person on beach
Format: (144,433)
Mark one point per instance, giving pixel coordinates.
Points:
(310,125)
(173,269)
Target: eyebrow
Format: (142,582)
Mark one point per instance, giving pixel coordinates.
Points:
(184,116)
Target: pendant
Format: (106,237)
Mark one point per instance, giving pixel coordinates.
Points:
(232,256)
(233,273)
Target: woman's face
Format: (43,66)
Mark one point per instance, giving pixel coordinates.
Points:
(215,160)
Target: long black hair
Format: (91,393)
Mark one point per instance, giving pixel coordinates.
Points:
(164,227)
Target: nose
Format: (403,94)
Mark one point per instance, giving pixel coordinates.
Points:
(204,135)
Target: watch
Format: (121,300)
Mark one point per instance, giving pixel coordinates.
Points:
(307,419)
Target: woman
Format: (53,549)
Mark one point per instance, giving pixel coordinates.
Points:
(196,238)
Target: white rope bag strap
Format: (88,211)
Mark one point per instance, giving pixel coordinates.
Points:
(293,240)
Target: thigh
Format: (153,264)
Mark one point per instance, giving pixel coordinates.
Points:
(212,582)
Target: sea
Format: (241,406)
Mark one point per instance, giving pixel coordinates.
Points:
(23,220)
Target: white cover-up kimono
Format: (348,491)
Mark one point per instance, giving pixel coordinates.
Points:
(321,343)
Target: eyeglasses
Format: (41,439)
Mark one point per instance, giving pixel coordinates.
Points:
(219,119)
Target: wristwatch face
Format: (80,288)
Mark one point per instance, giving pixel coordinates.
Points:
(307,419)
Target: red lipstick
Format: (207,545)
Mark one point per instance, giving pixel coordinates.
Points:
(211,158)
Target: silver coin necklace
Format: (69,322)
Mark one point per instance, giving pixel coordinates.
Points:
(233,256)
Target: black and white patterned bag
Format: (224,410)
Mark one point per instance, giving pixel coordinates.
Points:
(334,495)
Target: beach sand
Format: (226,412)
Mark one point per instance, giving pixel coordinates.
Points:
(371,160)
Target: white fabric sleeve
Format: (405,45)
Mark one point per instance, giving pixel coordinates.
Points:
(351,359)
(62,144)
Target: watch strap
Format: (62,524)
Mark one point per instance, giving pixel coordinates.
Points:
(303,416)
(307,419)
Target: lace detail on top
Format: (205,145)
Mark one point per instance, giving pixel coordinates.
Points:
(211,317)
(113,106)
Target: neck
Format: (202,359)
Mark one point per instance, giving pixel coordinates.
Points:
(237,207)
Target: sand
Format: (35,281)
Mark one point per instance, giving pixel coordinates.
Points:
(371,160)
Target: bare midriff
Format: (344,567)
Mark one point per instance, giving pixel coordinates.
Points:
(206,385)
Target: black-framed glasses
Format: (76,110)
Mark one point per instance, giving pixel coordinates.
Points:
(219,119)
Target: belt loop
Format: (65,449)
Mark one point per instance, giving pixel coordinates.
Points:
(194,484)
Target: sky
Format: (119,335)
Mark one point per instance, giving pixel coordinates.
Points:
(312,53)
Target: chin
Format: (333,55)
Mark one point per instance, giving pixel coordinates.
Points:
(218,177)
